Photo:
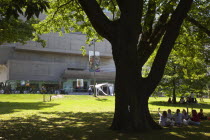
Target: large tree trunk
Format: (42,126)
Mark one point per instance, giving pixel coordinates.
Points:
(132,113)
(131,91)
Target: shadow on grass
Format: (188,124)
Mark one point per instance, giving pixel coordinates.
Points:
(161,103)
(10,107)
(101,99)
(91,126)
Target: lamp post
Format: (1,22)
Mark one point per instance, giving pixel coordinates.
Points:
(94,64)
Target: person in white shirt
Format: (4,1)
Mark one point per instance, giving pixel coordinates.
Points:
(163,118)
(185,116)
(178,118)
(163,121)
(182,101)
(169,115)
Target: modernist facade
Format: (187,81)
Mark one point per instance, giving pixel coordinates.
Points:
(58,65)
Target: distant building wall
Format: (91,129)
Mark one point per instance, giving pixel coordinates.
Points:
(3,73)
(5,53)
(68,44)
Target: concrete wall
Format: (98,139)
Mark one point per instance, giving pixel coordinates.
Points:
(26,67)
(5,53)
(36,70)
(68,44)
(72,61)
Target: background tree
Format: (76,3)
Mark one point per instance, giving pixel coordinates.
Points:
(186,70)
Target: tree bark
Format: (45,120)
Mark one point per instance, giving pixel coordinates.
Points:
(174,86)
(132,112)
(131,91)
(174,92)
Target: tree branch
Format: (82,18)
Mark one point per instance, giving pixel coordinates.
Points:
(131,11)
(148,43)
(172,32)
(149,19)
(197,24)
(98,19)
(58,8)
(113,11)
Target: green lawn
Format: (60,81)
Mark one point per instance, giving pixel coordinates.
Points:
(74,117)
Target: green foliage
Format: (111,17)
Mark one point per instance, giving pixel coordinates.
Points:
(28,8)
(14,28)
(83,50)
(187,64)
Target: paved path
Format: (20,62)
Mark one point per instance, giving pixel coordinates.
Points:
(78,93)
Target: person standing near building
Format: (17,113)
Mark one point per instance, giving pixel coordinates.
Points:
(90,90)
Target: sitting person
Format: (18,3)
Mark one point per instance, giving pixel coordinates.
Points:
(163,119)
(185,116)
(182,101)
(196,101)
(194,120)
(169,115)
(201,116)
(178,118)
(192,96)
(188,100)
(169,100)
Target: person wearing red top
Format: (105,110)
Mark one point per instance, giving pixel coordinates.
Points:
(194,120)
(201,116)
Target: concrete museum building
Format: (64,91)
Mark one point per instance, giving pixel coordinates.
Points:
(60,65)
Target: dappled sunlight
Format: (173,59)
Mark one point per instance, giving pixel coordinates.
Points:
(71,125)
(176,134)
(78,124)
(60,120)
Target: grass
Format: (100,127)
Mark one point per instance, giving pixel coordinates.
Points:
(26,116)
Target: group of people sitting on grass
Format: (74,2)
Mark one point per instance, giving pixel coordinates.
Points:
(184,101)
(188,100)
(180,119)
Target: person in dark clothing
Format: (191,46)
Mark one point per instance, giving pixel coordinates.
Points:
(201,116)
(169,100)
(195,120)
